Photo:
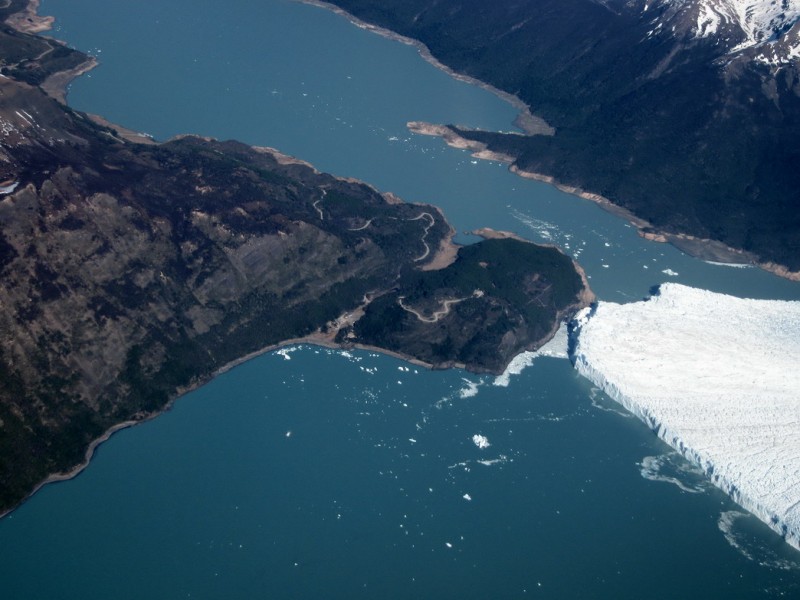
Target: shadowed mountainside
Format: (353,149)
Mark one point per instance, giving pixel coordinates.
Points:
(670,125)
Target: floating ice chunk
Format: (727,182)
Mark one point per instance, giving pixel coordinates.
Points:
(494,461)
(481,441)
(448,544)
(598,401)
(515,367)
(470,390)
(716,378)
(555,348)
(464,465)
(670,272)
(726,522)
(544,229)
(673,468)
(285,352)
(732,265)
(289,433)
(733,525)
(467,497)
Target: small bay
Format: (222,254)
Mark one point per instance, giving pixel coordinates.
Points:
(312,473)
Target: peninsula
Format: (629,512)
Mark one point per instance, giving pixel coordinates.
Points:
(133,271)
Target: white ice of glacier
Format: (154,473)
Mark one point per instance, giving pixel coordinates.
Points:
(717,378)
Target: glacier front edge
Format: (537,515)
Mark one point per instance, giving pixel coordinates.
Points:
(717,378)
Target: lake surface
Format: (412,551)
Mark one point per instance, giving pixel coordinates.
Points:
(310,473)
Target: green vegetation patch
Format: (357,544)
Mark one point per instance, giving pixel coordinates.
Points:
(500,297)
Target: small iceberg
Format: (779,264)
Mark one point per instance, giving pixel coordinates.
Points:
(481,441)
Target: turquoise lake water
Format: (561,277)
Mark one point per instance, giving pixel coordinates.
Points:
(311,473)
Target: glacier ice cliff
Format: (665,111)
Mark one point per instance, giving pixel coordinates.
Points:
(717,378)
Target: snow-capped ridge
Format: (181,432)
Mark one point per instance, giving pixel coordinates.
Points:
(735,25)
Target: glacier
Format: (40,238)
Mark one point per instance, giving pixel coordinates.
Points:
(714,376)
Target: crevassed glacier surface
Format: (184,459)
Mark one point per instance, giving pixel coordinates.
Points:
(717,378)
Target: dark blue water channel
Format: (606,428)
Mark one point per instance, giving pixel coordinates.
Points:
(311,473)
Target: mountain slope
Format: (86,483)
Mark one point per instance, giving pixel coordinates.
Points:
(693,131)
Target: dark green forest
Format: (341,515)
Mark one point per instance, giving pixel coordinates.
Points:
(660,125)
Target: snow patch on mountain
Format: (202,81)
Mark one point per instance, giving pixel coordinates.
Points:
(735,25)
(716,378)
(760,21)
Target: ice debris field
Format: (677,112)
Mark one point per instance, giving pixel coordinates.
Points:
(716,377)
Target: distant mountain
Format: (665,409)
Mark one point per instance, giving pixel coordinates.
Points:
(766,31)
(735,24)
(685,112)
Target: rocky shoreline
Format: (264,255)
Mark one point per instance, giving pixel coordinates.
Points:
(701,248)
